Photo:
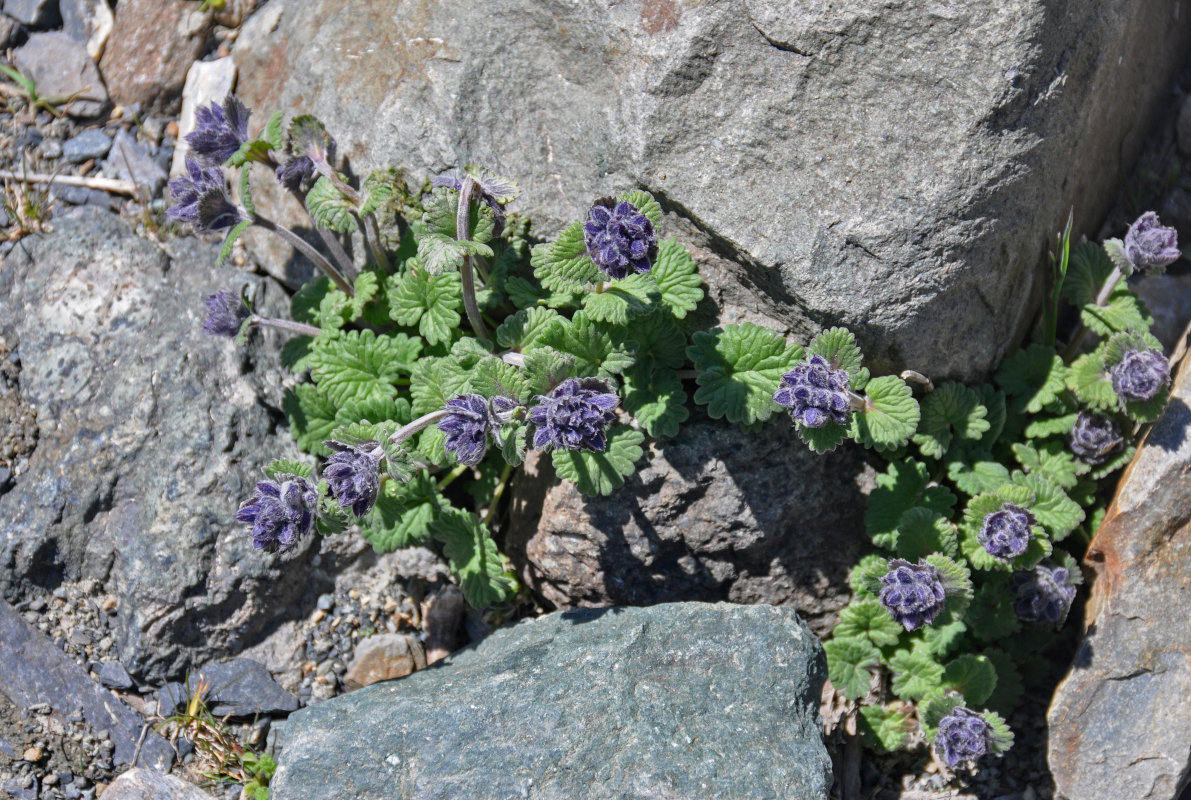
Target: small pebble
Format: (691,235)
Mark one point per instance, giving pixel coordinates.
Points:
(108,604)
(86,146)
(32,755)
(326,602)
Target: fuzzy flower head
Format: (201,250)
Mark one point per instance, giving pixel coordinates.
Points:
(296,172)
(467,428)
(913,593)
(619,238)
(219,130)
(201,199)
(353,475)
(1005,534)
(1149,246)
(814,393)
(281,512)
(1044,595)
(574,416)
(1140,375)
(226,313)
(963,735)
(1093,437)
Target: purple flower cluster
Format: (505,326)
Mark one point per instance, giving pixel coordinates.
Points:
(814,393)
(1005,534)
(1044,595)
(1093,437)
(281,512)
(201,199)
(964,735)
(467,428)
(353,475)
(1149,246)
(574,416)
(619,238)
(226,313)
(913,593)
(1140,375)
(219,130)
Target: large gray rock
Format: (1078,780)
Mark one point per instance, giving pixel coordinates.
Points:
(145,784)
(897,167)
(672,701)
(61,68)
(1120,723)
(717,514)
(151,434)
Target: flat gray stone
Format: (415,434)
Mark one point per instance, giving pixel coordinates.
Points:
(113,675)
(88,22)
(133,163)
(34,671)
(145,784)
(151,435)
(671,701)
(88,144)
(895,167)
(60,67)
(1120,723)
(238,688)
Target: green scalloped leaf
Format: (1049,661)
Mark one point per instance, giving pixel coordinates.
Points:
(922,531)
(645,203)
(521,331)
(890,416)
(434,381)
(230,240)
(838,346)
(311,417)
(1055,511)
(1090,381)
(904,485)
(1051,426)
(329,208)
(951,411)
(1033,377)
(994,402)
(956,578)
(677,278)
(824,439)
(971,675)
(915,674)
(990,616)
(1001,738)
(430,302)
(656,400)
(1052,461)
(1009,686)
(1125,312)
(1115,250)
(441,209)
(739,369)
(403,514)
(655,338)
(1109,467)
(491,377)
(869,619)
(545,368)
(474,558)
(594,352)
(564,263)
(931,713)
(850,663)
(940,638)
(865,577)
(378,190)
(622,300)
(983,475)
(359,365)
(287,467)
(601,473)
(884,728)
(440,254)
(1087,270)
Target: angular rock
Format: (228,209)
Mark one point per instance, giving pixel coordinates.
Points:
(145,784)
(34,671)
(88,22)
(34,13)
(1119,722)
(893,167)
(238,688)
(152,45)
(87,145)
(133,163)
(113,675)
(151,434)
(717,514)
(383,657)
(672,701)
(207,82)
(60,67)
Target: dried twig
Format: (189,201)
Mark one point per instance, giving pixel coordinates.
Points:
(103,184)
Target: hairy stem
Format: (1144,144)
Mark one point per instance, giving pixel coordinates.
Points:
(304,247)
(1101,300)
(299,328)
(500,489)
(858,402)
(463,233)
(372,236)
(419,424)
(451,476)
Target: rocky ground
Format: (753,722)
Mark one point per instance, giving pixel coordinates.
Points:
(109,131)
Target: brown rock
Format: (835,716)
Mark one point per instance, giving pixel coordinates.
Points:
(718,514)
(152,45)
(384,657)
(1120,723)
(441,615)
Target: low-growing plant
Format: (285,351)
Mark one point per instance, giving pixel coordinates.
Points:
(580,346)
